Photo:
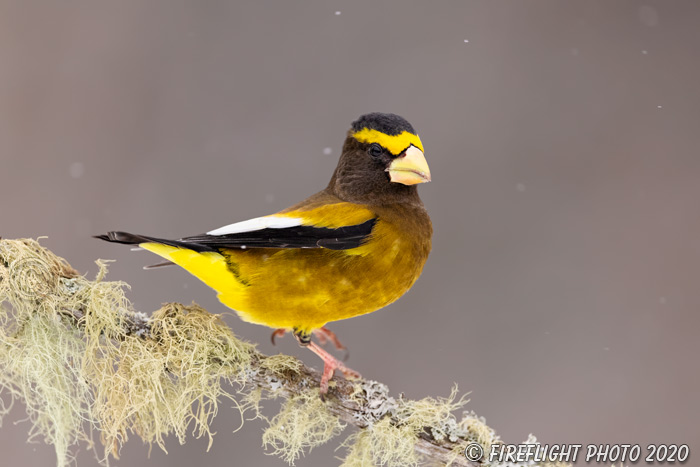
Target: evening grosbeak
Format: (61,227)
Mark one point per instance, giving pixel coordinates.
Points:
(350,249)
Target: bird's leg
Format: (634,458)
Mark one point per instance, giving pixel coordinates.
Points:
(330,363)
(324,334)
(277,333)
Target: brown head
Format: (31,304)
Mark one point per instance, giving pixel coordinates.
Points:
(382,162)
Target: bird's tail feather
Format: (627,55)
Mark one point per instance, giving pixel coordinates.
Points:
(124,237)
(159,265)
(127,238)
(206,264)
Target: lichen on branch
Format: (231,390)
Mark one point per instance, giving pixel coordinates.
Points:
(80,358)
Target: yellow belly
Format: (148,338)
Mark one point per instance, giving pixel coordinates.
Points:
(306,288)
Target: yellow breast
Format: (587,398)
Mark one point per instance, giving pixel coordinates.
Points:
(306,288)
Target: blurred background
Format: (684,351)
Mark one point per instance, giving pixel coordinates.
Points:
(564,284)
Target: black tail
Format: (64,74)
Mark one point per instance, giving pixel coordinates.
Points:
(125,238)
(133,239)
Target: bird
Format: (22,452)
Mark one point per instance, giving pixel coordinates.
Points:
(348,250)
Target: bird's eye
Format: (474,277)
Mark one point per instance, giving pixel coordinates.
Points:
(375,150)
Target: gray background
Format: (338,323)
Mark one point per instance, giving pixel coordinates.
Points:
(562,290)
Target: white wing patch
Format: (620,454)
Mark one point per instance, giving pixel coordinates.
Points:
(258,223)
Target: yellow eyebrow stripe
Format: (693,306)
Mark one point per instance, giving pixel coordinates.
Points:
(395,144)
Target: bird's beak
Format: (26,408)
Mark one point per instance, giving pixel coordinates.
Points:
(410,168)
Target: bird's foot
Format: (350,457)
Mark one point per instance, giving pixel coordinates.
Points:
(324,335)
(330,364)
(277,333)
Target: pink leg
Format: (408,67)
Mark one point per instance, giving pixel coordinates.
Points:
(324,334)
(330,364)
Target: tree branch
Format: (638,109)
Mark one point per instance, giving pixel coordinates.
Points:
(174,360)
(342,398)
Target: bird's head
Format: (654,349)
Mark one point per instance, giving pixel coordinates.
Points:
(382,161)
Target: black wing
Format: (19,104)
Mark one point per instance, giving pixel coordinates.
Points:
(301,236)
(342,238)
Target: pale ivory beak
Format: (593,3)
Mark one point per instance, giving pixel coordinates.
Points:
(410,168)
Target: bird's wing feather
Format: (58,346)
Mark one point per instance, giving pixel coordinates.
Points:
(321,221)
(284,232)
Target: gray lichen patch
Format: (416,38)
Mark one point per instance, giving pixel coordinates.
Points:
(394,425)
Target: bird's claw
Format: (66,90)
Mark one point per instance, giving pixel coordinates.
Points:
(277,333)
(325,335)
(330,364)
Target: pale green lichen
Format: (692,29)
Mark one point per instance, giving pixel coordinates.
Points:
(281,365)
(41,365)
(40,359)
(80,358)
(391,440)
(383,443)
(303,423)
(477,431)
(162,384)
